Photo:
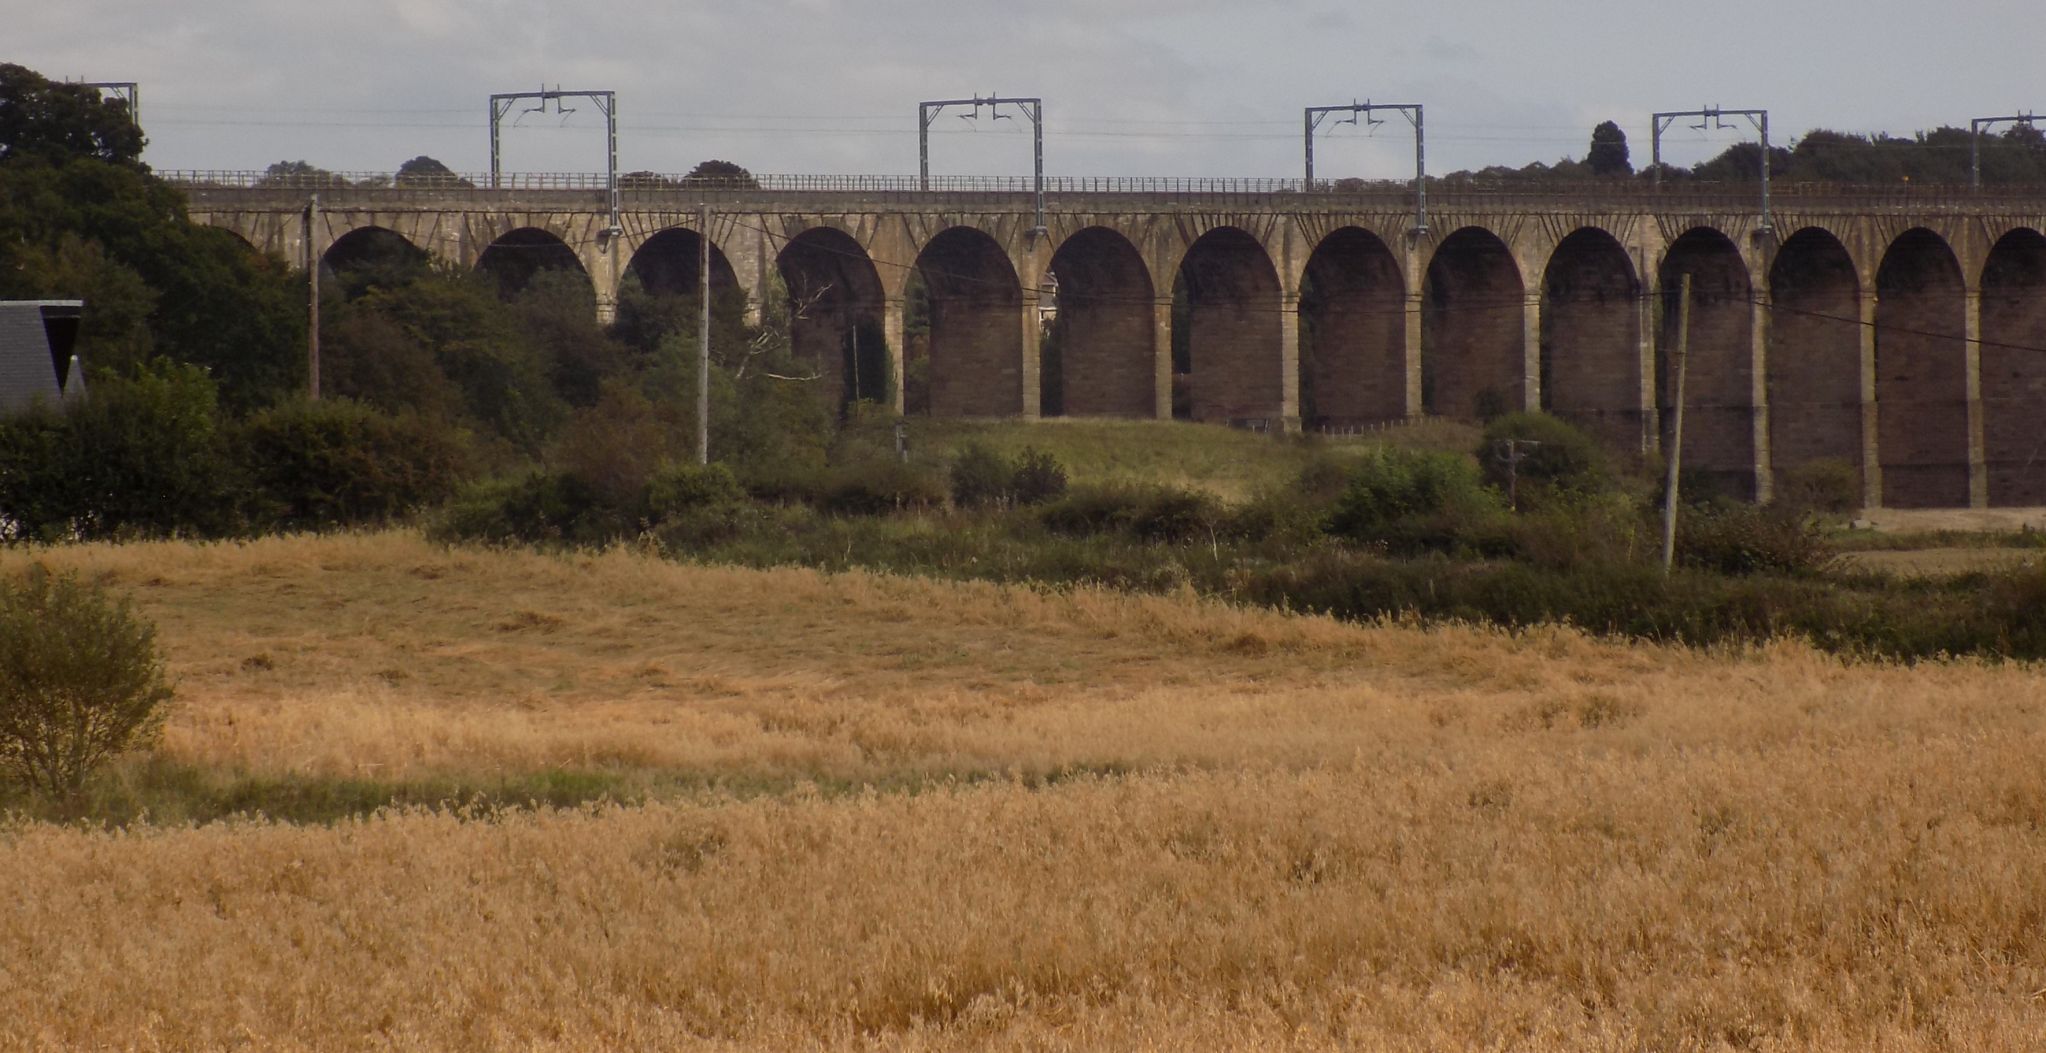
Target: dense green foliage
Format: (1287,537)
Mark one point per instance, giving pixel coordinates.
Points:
(81,218)
(54,121)
(153,455)
(80,681)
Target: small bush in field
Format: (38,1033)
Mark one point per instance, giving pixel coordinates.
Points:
(1555,458)
(536,507)
(1037,477)
(1825,487)
(877,488)
(1088,510)
(1737,538)
(1148,513)
(1324,477)
(1173,514)
(1413,499)
(981,477)
(678,488)
(336,462)
(80,680)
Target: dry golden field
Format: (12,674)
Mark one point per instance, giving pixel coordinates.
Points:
(887,813)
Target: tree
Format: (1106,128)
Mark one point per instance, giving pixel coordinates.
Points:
(299,175)
(80,680)
(41,118)
(1608,154)
(424,171)
(81,225)
(723,174)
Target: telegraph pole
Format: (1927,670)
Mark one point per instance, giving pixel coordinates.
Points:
(1711,116)
(1512,452)
(312,269)
(1676,442)
(703,334)
(1975,142)
(607,103)
(1312,117)
(926,112)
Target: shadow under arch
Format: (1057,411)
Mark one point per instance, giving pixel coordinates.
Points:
(369,258)
(975,365)
(835,304)
(1814,361)
(1473,328)
(1591,339)
(1719,411)
(1921,373)
(1227,339)
(1353,326)
(1100,347)
(520,256)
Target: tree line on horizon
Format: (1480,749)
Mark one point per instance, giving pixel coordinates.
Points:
(2014,157)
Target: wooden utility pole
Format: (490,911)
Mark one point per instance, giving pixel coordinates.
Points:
(703,335)
(1676,441)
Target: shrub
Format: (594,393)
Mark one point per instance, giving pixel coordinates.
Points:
(1555,458)
(536,507)
(678,488)
(1089,510)
(1413,499)
(1037,477)
(1737,538)
(615,446)
(878,488)
(1280,515)
(981,477)
(1324,477)
(1174,514)
(1824,487)
(142,456)
(80,680)
(1589,528)
(1149,513)
(315,464)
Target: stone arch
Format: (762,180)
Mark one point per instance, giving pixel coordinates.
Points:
(1814,361)
(371,257)
(836,305)
(976,325)
(666,264)
(2014,368)
(519,256)
(1102,343)
(1473,328)
(1591,338)
(1719,391)
(1228,344)
(1353,332)
(1922,373)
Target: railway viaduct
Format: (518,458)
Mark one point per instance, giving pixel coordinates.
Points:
(1901,331)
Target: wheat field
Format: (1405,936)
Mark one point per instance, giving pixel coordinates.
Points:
(929,816)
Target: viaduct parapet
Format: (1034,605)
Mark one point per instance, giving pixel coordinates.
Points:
(1897,335)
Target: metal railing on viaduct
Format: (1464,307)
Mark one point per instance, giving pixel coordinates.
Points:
(1892,335)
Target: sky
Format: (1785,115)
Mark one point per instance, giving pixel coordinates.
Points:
(1130,87)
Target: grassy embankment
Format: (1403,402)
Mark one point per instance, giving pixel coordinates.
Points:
(884,812)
